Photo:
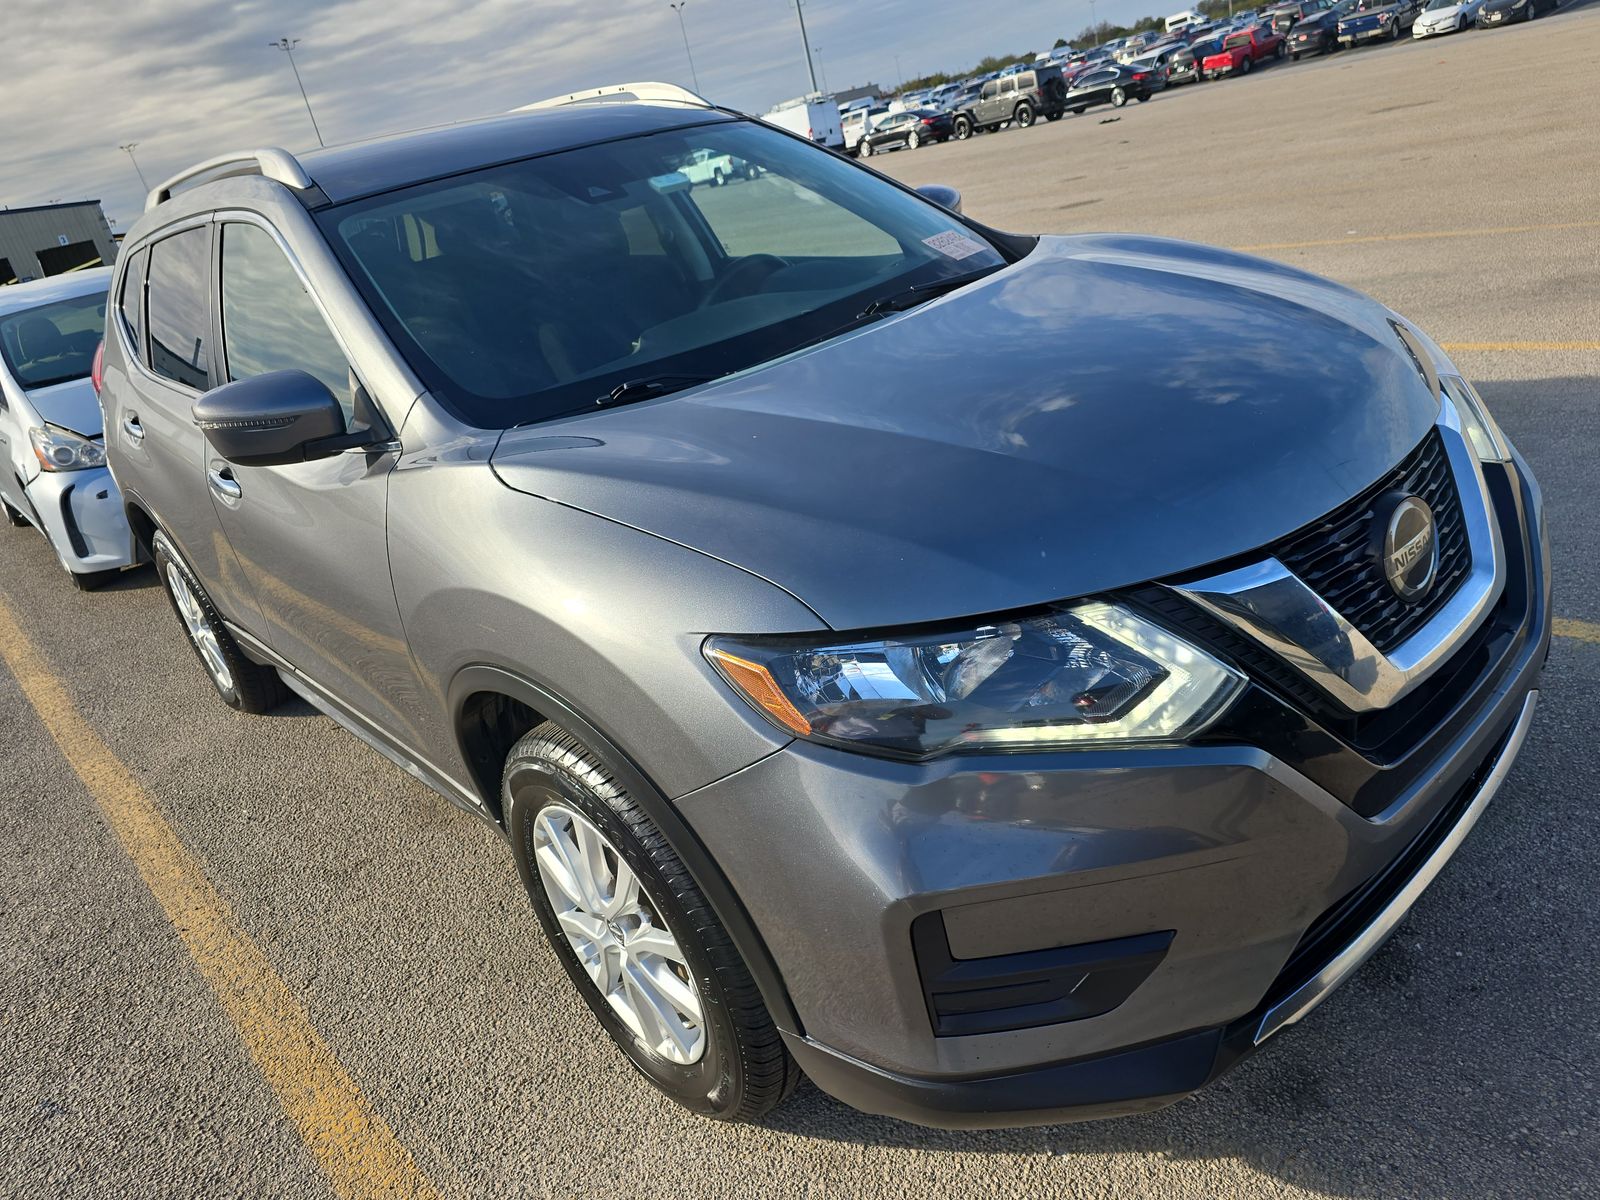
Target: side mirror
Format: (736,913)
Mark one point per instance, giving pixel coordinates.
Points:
(272,419)
(944,197)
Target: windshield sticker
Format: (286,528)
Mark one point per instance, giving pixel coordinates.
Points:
(953,245)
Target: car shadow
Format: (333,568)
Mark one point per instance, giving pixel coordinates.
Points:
(135,579)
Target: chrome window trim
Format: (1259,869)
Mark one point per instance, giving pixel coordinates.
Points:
(1316,989)
(1271,605)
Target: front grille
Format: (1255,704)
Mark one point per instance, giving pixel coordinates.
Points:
(1340,556)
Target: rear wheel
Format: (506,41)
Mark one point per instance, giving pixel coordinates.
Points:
(1053,116)
(1279,52)
(636,936)
(1024,115)
(717,179)
(241,683)
(914,140)
(1118,97)
(1244,67)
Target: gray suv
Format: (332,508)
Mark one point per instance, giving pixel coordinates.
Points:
(1007,679)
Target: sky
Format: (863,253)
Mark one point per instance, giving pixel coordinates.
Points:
(189,79)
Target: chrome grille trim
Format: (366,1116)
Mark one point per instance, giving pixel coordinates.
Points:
(1270,604)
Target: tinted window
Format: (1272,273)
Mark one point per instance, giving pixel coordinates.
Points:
(521,292)
(53,342)
(269,321)
(990,90)
(130,302)
(177,310)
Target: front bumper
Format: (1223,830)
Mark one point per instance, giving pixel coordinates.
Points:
(1262,889)
(81,514)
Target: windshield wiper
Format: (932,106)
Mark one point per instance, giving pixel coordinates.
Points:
(649,387)
(921,293)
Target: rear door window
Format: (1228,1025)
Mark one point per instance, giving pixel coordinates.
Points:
(178,310)
(269,320)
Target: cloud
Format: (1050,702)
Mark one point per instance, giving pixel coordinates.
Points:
(188,79)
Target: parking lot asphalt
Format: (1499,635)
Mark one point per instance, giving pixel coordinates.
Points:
(1456,180)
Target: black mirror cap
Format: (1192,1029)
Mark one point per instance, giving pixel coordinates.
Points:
(269,420)
(942,195)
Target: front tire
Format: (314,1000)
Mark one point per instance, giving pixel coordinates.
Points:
(1246,65)
(636,936)
(963,129)
(865,149)
(242,684)
(1024,113)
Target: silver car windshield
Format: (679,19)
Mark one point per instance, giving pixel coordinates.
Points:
(528,290)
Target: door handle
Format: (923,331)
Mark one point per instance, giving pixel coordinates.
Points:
(131,427)
(224,484)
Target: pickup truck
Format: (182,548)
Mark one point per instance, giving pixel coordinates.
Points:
(1241,51)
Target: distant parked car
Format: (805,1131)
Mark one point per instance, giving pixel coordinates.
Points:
(715,169)
(1158,63)
(1446,16)
(906,131)
(1113,85)
(1242,50)
(1184,65)
(1503,12)
(53,472)
(1379,20)
(855,123)
(1020,99)
(1318,33)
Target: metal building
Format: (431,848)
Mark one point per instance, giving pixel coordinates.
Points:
(49,239)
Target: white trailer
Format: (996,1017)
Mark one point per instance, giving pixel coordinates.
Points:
(815,117)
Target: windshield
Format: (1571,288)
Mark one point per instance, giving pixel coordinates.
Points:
(1434,5)
(53,343)
(528,290)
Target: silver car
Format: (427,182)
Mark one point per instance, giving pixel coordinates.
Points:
(53,472)
(1005,678)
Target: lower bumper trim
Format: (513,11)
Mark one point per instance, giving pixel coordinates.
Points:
(1316,989)
(1154,1075)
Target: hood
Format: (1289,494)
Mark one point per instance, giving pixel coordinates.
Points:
(71,405)
(1434,15)
(1106,411)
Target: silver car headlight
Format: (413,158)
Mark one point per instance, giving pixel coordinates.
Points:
(1093,675)
(61,450)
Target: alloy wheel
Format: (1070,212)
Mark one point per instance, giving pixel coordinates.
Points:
(619,936)
(200,629)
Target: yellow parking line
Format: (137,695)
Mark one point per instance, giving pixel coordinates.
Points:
(1421,235)
(1584,631)
(351,1142)
(1456,347)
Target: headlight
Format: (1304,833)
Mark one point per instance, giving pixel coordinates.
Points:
(58,450)
(1479,427)
(1093,675)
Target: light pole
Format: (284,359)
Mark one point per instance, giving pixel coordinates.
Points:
(287,45)
(127,147)
(821,66)
(899,74)
(800,10)
(684,29)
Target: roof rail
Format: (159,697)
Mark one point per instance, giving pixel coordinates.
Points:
(270,161)
(625,93)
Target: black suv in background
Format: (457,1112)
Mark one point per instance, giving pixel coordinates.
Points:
(1020,99)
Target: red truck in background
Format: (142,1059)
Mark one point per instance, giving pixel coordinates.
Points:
(1242,50)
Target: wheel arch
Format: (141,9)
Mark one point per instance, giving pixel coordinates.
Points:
(492,708)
